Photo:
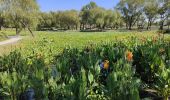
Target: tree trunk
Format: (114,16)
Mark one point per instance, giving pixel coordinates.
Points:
(17,32)
(130,23)
(126,25)
(83,26)
(1,23)
(76,27)
(130,26)
(148,25)
(28,29)
(31,32)
(104,26)
(161,25)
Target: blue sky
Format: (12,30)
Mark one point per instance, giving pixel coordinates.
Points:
(55,5)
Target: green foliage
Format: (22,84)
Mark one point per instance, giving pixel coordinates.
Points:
(121,84)
(61,20)
(151,10)
(93,17)
(25,14)
(21,13)
(131,10)
(81,73)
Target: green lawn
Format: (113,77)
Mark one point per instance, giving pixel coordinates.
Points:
(59,40)
(2,37)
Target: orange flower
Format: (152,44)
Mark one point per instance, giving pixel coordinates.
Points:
(129,56)
(106,64)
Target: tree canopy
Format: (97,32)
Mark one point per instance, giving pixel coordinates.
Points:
(22,13)
(131,11)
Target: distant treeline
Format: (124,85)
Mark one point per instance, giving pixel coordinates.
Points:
(21,14)
(91,17)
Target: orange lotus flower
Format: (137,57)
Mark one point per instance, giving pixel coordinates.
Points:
(129,56)
(106,64)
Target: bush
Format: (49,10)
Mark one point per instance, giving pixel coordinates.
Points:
(114,70)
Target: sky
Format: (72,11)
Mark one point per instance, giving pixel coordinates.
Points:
(56,5)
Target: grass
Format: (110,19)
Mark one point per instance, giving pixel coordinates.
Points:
(4,33)
(60,40)
(2,37)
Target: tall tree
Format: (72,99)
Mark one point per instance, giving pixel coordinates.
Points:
(163,11)
(1,14)
(69,19)
(97,17)
(117,19)
(1,20)
(59,20)
(85,15)
(109,19)
(141,22)
(150,10)
(45,21)
(22,13)
(131,11)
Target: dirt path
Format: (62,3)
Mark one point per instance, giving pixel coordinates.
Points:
(11,40)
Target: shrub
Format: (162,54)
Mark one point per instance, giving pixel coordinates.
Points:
(113,70)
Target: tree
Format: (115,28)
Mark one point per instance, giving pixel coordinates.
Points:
(97,17)
(22,13)
(109,19)
(163,11)
(150,10)
(85,15)
(59,20)
(117,19)
(2,17)
(69,19)
(141,22)
(168,23)
(112,19)
(45,21)
(1,21)
(131,11)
